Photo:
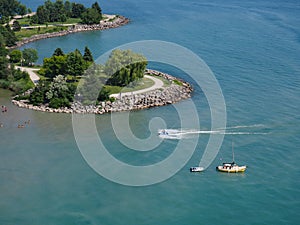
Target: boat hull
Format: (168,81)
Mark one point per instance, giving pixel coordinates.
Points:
(234,169)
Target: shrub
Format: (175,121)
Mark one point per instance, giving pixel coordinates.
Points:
(59,102)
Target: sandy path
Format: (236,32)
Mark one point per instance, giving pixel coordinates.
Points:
(157,84)
(31,71)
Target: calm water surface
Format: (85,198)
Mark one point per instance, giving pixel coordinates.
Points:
(253,49)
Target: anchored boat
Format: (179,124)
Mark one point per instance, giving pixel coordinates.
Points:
(231,167)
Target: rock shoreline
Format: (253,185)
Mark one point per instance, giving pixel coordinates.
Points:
(159,97)
(103,25)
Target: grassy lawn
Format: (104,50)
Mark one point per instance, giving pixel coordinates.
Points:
(26,21)
(142,84)
(166,82)
(24,33)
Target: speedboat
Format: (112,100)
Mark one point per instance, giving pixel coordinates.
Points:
(231,168)
(169,134)
(196,169)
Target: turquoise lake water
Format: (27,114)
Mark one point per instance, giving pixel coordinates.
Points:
(253,49)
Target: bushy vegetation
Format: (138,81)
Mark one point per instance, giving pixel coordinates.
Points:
(24,58)
(10,8)
(125,67)
(58,90)
(72,64)
(7,36)
(11,78)
(60,11)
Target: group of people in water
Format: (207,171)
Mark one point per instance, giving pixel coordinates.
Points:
(23,125)
(4,109)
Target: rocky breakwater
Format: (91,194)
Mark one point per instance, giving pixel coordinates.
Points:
(160,97)
(172,93)
(117,21)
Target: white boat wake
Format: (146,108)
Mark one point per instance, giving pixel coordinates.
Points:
(190,133)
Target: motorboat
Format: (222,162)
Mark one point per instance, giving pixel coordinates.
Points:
(196,169)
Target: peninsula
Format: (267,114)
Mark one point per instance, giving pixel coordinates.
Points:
(55,86)
(60,18)
(162,94)
(110,21)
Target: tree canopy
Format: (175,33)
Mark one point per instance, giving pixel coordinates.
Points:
(15,56)
(8,36)
(60,11)
(91,16)
(58,52)
(124,67)
(10,78)
(16,26)
(72,64)
(30,56)
(88,55)
(11,7)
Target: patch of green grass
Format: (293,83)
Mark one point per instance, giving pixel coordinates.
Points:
(177,82)
(112,89)
(141,84)
(25,33)
(25,21)
(165,81)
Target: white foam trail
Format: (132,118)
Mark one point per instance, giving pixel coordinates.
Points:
(244,126)
(187,133)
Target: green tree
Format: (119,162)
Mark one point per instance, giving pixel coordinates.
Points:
(58,52)
(87,56)
(124,67)
(97,7)
(77,10)
(57,87)
(15,56)
(9,7)
(30,56)
(42,14)
(54,66)
(91,16)
(75,63)
(16,26)
(34,19)
(8,35)
(38,96)
(21,9)
(59,94)
(88,91)
(68,8)
(3,50)
(4,69)
(59,13)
